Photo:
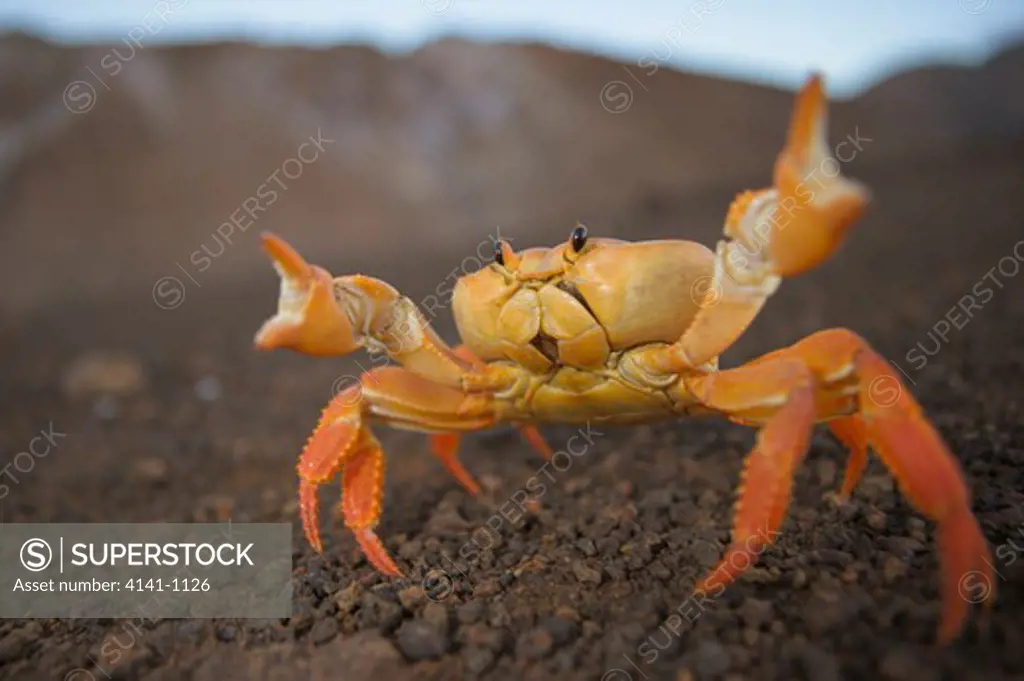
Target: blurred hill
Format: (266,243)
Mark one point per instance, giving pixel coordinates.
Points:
(430,152)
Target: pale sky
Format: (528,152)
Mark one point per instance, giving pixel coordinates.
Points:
(855,42)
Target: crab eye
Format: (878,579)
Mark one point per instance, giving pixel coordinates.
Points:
(578,238)
(499,253)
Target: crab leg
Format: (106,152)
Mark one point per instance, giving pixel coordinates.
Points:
(446,448)
(362,499)
(770,234)
(927,472)
(852,432)
(537,441)
(343,444)
(786,391)
(446,445)
(784,401)
(320,316)
(529,433)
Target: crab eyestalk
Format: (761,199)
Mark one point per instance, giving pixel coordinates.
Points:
(309,319)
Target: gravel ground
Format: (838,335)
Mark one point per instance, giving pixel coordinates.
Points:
(170,416)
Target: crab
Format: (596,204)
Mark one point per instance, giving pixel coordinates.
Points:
(615,332)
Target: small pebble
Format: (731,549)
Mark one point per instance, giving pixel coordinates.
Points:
(478,660)
(708,499)
(323,631)
(586,574)
(347,599)
(411,597)
(470,612)
(756,612)
(562,630)
(893,569)
(534,644)
(437,616)
(876,519)
(420,640)
(226,633)
(487,588)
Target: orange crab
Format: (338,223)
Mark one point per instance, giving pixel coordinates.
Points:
(615,332)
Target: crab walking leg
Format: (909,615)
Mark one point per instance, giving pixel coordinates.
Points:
(784,402)
(770,234)
(893,425)
(342,443)
(537,441)
(446,448)
(530,433)
(927,472)
(446,445)
(362,499)
(408,401)
(320,316)
(852,432)
(332,441)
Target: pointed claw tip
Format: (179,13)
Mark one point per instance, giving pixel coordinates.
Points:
(376,554)
(272,243)
(317,546)
(273,334)
(813,89)
(288,260)
(392,570)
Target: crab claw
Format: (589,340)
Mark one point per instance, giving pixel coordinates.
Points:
(816,204)
(308,318)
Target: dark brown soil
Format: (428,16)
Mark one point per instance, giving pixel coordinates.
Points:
(581,588)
